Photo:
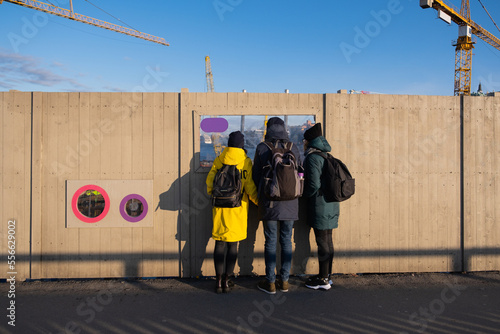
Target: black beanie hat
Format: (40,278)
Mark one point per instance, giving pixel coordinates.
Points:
(313,132)
(236,139)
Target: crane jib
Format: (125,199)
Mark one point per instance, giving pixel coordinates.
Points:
(67,13)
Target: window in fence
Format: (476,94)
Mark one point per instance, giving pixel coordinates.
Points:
(214,133)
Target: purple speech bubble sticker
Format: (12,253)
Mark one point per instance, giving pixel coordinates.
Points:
(214,124)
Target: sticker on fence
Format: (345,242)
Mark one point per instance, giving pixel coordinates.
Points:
(108,203)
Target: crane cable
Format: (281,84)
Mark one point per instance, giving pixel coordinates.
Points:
(104,12)
(489,15)
(111,15)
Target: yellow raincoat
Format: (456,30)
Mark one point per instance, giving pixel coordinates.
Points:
(230,224)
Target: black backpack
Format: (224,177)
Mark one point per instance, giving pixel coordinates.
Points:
(226,191)
(337,183)
(281,181)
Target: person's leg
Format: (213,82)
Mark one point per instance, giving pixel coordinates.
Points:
(219,257)
(231,256)
(286,228)
(270,233)
(219,264)
(331,251)
(323,252)
(321,281)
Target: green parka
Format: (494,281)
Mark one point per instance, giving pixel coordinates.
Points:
(320,214)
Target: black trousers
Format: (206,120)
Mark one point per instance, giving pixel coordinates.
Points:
(230,253)
(324,240)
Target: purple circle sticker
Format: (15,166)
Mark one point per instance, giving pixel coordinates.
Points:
(133,208)
(214,124)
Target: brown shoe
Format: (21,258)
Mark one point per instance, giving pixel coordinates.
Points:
(267,287)
(282,285)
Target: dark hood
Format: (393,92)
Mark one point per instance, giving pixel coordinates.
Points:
(276,129)
(319,143)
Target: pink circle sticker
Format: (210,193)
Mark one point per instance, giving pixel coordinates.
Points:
(91,189)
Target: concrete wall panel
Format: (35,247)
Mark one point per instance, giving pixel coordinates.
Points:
(406,153)
(481,137)
(15,171)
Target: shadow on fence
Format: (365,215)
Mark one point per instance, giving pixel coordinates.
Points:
(132,262)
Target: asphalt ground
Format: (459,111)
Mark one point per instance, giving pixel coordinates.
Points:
(389,303)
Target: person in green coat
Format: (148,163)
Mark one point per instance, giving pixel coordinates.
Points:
(322,216)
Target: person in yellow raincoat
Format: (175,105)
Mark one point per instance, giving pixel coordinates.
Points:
(230,224)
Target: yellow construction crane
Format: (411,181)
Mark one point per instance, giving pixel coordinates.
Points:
(265,129)
(209,76)
(210,89)
(70,14)
(464,43)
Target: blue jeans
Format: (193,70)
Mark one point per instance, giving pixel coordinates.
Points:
(285,239)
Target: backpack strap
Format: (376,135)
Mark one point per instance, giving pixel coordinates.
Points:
(270,147)
(268,144)
(323,154)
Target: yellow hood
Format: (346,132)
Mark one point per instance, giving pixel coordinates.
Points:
(232,156)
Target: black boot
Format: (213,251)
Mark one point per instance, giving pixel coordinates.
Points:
(226,284)
(218,284)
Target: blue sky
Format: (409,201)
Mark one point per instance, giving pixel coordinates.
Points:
(387,46)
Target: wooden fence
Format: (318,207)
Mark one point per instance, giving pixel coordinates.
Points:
(426,169)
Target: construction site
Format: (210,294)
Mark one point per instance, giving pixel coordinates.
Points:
(426,167)
(107,224)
